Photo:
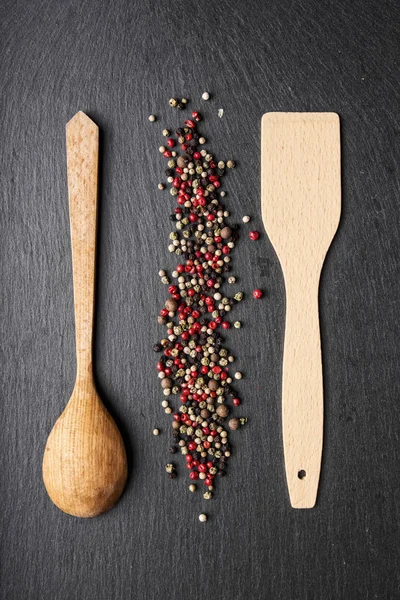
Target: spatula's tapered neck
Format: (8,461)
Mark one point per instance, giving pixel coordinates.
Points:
(82,163)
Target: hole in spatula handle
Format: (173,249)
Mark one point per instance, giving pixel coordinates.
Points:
(301,474)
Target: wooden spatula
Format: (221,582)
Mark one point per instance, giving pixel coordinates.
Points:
(84,464)
(301,202)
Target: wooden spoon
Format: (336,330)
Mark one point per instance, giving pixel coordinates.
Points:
(301,202)
(84,464)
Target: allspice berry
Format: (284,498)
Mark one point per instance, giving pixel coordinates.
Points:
(161,320)
(175,425)
(166,383)
(222,411)
(182,161)
(234,424)
(213,385)
(205,413)
(226,233)
(171,304)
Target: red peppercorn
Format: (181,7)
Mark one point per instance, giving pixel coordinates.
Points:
(225,324)
(194,475)
(202,468)
(193,217)
(192,446)
(188,458)
(167,154)
(171,142)
(164,312)
(257,294)
(188,137)
(236,401)
(208,481)
(190,124)
(254,235)
(196,155)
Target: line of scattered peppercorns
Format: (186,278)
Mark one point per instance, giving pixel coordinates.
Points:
(194,364)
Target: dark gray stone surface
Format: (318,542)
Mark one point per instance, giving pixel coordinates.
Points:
(119,61)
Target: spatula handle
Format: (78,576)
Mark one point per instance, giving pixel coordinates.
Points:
(302,390)
(82,166)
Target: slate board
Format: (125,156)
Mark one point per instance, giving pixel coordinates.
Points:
(120,61)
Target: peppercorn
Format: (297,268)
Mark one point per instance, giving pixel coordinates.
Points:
(231,164)
(234,424)
(152,118)
(205,96)
(246,219)
(202,518)
(156,431)
(257,294)
(254,235)
(173,102)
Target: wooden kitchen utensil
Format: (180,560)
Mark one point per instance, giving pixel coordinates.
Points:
(84,464)
(301,202)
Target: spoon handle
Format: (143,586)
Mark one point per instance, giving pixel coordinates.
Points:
(82,168)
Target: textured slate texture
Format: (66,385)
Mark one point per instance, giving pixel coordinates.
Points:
(119,61)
